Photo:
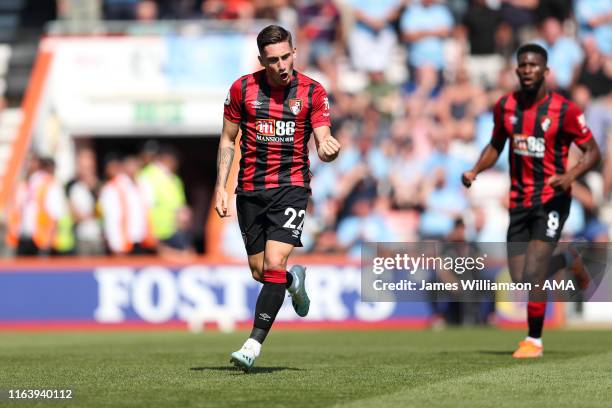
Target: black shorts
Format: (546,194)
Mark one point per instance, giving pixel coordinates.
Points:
(275,214)
(542,222)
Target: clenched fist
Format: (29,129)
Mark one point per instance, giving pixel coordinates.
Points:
(329,149)
(221,202)
(468,178)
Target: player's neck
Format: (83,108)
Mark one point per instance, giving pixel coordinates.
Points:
(532,98)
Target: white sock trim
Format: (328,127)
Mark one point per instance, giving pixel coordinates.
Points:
(254,345)
(537,342)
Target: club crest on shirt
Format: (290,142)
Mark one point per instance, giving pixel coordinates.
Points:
(295,105)
(513,120)
(545,123)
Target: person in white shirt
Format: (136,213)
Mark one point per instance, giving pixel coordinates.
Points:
(39,204)
(125,210)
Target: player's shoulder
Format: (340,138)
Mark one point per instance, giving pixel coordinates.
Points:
(505,100)
(561,100)
(306,81)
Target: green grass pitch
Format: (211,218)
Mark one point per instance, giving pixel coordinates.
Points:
(450,368)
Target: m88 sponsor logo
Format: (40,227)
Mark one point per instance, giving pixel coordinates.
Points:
(273,127)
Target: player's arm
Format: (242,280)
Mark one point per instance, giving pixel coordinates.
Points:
(225,157)
(590,157)
(574,126)
(328,147)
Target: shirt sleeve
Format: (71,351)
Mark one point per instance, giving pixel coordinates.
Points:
(574,125)
(499,131)
(320,108)
(233,102)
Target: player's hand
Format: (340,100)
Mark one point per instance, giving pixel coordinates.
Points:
(468,178)
(561,182)
(221,202)
(329,149)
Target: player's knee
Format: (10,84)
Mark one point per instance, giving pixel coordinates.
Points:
(257,274)
(275,262)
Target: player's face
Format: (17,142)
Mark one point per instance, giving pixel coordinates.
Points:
(531,71)
(277,59)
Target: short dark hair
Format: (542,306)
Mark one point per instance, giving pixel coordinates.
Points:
(272,34)
(535,48)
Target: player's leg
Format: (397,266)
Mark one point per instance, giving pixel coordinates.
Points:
(250,210)
(272,293)
(519,235)
(256,264)
(517,241)
(283,208)
(286,219)
(569,257)
(546,227)
(268,304)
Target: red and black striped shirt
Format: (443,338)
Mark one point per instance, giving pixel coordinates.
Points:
(276,124)
(540,136)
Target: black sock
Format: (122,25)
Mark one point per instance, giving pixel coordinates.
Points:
(258,334)
(535,326)
(269,302)
(289,280)
(557,262)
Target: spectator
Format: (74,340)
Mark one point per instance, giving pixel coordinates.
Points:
(558,9)
(457,107)
(80,10)
(595,74)
(594,18)
(169,214)
(38,207)
(443,205)
(521,16)
(319,35)
(372,33)
(147,11)
(227,9)
(125,209)
(424,26)
(364,224)
(407,176)
(82,192)
(147,15)
(564,54)
(481,26)
(120,9)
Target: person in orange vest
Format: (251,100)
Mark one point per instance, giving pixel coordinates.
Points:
(125,210)
(38,206)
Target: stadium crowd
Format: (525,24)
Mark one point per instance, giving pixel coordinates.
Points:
(137,208)
(412,84)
